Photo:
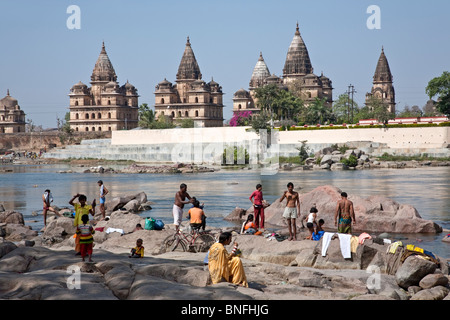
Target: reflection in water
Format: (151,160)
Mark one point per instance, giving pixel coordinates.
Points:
(426,189)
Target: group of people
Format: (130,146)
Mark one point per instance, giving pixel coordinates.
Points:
(223,266)
(84,230)
(344,214)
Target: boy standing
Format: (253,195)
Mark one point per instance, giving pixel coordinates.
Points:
(292,209)
(257,200)
(47,198)
(86,232)
(103,193)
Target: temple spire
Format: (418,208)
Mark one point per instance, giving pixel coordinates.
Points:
(188,68)
(383,71)
(103,70)
(297,59)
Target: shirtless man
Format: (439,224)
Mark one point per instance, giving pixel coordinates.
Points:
(47,199)
(178,206)
(345,213)
(292,209)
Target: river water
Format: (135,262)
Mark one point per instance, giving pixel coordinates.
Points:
(427,189)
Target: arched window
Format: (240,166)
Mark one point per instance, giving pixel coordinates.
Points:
(109,115)
(109,102)
(86,116)
(76,103)
(76,129)
(196,113)
(99,128)
(173,114)
(86,129)
(93,116)
(179,114)
(109,128)
(239,106)
(93,128)
(77,116)
(186,113)
(99,115)
(196,100)
(162,100)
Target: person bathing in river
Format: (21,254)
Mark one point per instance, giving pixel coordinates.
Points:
(292,210)
(257,200)
(180,201)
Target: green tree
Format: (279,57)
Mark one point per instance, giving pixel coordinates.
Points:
(146,116)
(440,86)
(318,112)
(380,110)
(342,107)
(187,123)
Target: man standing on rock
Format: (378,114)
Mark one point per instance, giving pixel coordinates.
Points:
(178,206)
(257,200)
(103,193)
(345,213)
(292,209)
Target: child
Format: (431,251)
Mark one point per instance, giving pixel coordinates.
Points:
(319,231)
(257,200)
(103,193)
(249,226)
(81,209)
(138,251)
(311,223)
(86,231)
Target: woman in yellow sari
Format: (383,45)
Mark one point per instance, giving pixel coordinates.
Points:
(224,266)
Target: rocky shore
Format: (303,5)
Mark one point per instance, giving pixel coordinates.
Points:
(355,159)
(35,266)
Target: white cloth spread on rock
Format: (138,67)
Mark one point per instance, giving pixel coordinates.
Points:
(109,230)
(345,243)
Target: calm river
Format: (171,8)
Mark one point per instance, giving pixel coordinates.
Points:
(427,189)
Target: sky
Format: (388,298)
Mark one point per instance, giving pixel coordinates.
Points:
(41,58)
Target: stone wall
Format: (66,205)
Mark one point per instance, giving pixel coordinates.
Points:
(206,145)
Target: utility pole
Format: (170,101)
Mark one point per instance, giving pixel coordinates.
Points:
(351,90)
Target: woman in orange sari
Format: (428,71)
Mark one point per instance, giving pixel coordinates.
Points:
(224,266)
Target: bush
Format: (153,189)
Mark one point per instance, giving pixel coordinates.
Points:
(351,162)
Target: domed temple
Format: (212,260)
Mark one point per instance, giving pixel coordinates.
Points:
(297,72)
(105,106)
(191,97)
(12,118)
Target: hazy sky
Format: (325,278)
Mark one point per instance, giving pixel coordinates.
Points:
(41,58)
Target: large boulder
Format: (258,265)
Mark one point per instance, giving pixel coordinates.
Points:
(373,214)
(433,280)
(413,270)
(11,217)
(436,293)
(18,232)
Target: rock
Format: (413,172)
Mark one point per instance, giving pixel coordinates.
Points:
(436,293)
(326,159)
(413,270)
(18,232)
(6,247)
(373,214)
(132,206)
(433,280)
(11,217)
(58,230)
(338,166)
(237,214)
